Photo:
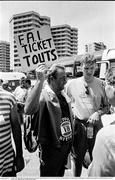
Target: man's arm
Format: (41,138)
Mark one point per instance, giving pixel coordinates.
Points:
(104,108)
(16,131)
(32,101)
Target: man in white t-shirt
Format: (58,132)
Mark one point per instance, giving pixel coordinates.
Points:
(89,103)
(20,94)
(103,164)
(21,91)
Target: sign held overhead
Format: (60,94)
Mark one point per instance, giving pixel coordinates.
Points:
(34,47)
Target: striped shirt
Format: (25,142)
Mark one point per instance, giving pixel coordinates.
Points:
(7,100)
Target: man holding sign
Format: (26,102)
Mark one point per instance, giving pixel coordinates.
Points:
(55,119)
(36,47)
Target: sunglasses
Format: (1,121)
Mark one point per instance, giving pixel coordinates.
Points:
(87,90)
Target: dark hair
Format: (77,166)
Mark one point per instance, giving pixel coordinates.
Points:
(52,72)
(28,81)
(88,59)
(110,75)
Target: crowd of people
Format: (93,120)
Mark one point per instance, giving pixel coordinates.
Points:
(69,121)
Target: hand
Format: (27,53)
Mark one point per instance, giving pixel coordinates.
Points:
(94,118)
(41,71)
(19,164)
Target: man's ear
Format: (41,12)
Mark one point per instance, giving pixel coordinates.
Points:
(110,92)
(50,78)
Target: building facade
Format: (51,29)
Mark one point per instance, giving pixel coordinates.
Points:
(4,56)
(92,47)
(20,23)
(65,39)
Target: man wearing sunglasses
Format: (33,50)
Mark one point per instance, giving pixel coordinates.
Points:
(90,102)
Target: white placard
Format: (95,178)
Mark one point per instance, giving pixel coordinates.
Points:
(34,47)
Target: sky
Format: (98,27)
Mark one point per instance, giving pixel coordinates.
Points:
(95,20)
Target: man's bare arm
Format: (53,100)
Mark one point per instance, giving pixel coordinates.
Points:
(32,101)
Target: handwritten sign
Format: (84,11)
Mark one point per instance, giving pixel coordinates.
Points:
(36,47)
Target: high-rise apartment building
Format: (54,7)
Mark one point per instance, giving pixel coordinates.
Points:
(65,39)
(20,23)
(4,56)
(92,47)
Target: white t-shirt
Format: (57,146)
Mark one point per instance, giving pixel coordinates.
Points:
(84,105)
(20,94)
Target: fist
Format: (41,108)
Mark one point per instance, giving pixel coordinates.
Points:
(41,71)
